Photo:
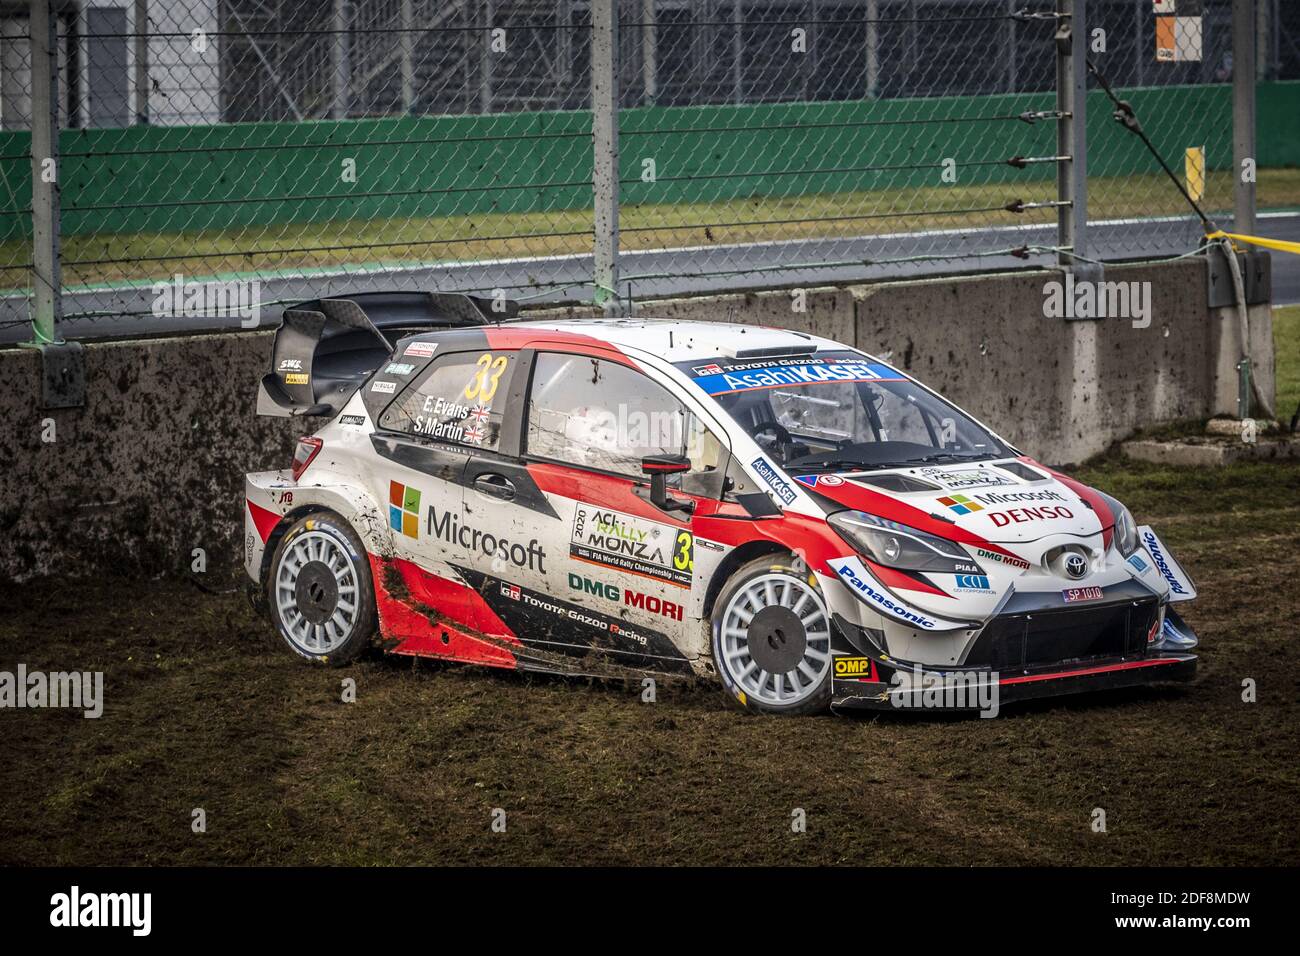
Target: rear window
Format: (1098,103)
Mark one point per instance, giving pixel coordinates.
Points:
(459,400)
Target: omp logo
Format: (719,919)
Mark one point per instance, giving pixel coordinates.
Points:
(1162,565)
(960,504)
(774,481)
(650,603)
(404,509)
(852,667)
(884,602)
(76,909)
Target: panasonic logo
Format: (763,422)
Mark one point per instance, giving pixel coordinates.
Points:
(1158,556)
(883,601)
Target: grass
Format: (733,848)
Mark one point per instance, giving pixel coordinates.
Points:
(136,256)
(201,711)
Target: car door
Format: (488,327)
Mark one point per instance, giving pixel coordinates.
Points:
(450,412)
(596,575)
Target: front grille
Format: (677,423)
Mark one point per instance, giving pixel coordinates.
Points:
(1060,635)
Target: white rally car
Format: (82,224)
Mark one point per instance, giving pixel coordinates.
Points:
(608,497)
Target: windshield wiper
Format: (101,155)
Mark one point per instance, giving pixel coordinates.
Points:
(943,457)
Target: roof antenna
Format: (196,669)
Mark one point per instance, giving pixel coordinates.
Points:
(670,338)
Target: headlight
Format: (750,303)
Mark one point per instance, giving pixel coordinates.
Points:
(1126,532)
(898,546)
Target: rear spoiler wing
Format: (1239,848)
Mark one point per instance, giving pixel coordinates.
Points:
(326,348)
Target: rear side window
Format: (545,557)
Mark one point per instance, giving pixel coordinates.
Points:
(459,399)
(605,416)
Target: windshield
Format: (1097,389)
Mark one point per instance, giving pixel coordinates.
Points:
(837,410)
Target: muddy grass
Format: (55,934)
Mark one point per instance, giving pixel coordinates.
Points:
(201,711)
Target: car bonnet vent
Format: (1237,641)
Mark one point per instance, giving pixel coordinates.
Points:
(1023,472)
(899,483)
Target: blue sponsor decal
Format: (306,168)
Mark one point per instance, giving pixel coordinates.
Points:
(774,480)
(1162,565)
(1139,565)
(972,582)
(882,601)
(793,376)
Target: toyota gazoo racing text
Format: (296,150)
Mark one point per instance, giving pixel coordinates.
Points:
(796,517)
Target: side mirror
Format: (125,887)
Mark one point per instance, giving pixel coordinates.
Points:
(658,467)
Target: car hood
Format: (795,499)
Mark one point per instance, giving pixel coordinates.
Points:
(1013,501)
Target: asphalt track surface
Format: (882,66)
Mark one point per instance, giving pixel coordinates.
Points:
(126,311)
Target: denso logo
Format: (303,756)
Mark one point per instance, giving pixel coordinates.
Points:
(846,572)
(1158,556)
(650,603)
(1020,515)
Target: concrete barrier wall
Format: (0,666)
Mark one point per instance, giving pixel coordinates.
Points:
(152,467)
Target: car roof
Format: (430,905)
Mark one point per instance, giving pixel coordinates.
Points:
(677,340)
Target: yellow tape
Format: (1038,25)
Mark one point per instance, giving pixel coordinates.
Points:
(1279,244)
(1194,171)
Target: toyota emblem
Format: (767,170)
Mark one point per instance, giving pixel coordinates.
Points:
(1075,565)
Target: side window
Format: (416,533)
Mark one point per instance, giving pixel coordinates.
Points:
(606,416)
(460,399)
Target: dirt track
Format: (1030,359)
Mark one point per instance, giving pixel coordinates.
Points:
(201,711)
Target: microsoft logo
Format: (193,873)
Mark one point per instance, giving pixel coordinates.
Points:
(404,509)
(961,504)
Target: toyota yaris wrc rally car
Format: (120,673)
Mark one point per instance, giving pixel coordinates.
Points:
(611,497)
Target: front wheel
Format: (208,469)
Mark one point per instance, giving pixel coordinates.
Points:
(772,638)
(320,591)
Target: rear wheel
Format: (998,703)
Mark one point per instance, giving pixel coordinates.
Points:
(321,595)
(772,638)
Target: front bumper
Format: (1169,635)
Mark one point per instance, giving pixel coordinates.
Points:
(1022,659)
(984,690)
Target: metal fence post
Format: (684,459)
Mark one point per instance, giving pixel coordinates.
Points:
(1071,132)
(649,53)
(140,27)
(340,62)
(604,136)
(1243,113)
(47,302)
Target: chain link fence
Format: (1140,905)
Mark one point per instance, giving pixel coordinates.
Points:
(320,147)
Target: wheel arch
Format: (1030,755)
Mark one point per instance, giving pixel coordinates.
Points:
(737,559)
(281,528)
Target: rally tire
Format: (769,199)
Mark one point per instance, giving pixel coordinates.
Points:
(320,592)
(771,638)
